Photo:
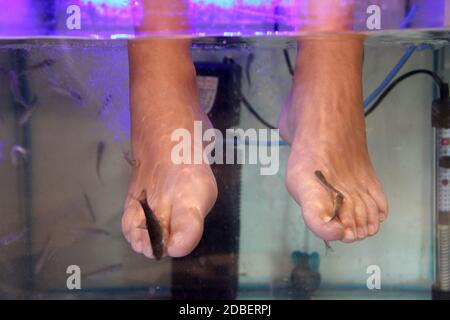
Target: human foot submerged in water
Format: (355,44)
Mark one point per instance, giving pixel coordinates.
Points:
(163,99)
(323,121)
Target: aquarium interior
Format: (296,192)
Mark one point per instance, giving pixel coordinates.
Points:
(58,210)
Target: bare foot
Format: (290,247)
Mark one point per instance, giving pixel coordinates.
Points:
(323,120)
(164,98)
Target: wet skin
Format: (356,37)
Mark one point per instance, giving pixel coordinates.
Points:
(322,120)
(164,98)
(324,123)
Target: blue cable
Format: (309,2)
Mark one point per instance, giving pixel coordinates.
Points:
(408,53)
(391,75)
(409,17)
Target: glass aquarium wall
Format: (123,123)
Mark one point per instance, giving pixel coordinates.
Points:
(65,156)
(61,207)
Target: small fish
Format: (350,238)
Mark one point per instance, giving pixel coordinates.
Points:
(104,271)
(339,196)
(327,246)
(106,102)
(44,63)
(89,207)
(288,62)
(46,255)
(17,150)
(94,230)
(248,65)
(26,116)
(12,237)
(100,151)
(14,83)
(15,90)
(337,202)
(132,162)
(154,229)
(65,91)
(28,105)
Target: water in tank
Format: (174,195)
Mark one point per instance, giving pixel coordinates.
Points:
(224,149)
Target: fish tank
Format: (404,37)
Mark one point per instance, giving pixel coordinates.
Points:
(71,75)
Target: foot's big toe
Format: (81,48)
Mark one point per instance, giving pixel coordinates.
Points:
(181,209)
(317,209)
(131,219)
(359,216)
(186,229)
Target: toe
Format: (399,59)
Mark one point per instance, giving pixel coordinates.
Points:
(360,217)
(129,218)
(372,214)
(376,192)
(134,228)
(317,208)
(186,229)
(146,245)
(347,218)
(137,240)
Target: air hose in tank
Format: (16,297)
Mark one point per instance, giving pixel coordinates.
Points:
(443,87)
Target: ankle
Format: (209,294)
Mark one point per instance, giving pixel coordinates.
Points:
(160,57)
(334,52)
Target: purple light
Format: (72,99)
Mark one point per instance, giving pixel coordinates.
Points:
(117,19)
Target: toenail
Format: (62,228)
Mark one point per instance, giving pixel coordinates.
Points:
(361,233)
(176,238)
(349,235)
(372,229)
(382,217)
(138,246)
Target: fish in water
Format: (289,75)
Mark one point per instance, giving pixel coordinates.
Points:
(89,207)
(100,151)
(154,228)
(16,93)
(327,246)
(105,105)
(65,91)
(17,150)
(94,230)
(339,196)
(14,84)
(132,162)
(46,254)
(12,237)
(288,62)
(27,105)
(337,201)
(26,116)
(104,271)
(248,65)
(44,63)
